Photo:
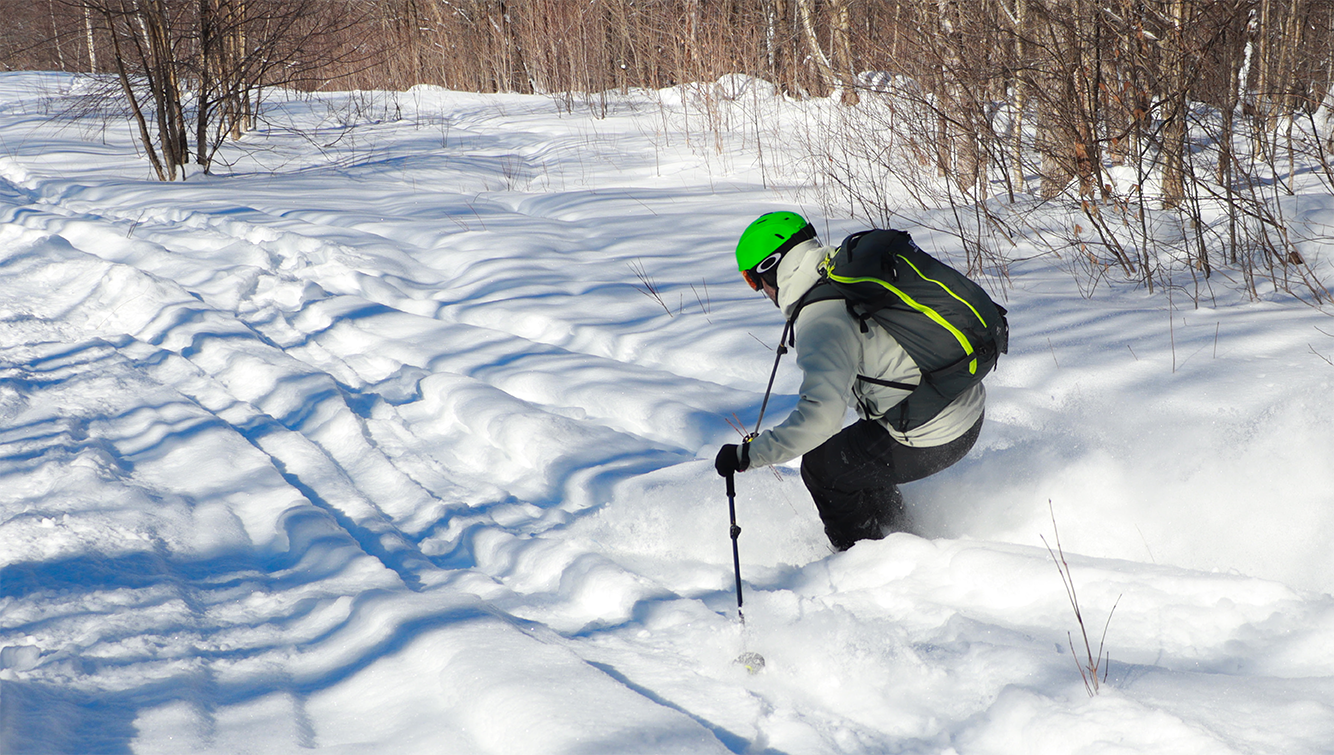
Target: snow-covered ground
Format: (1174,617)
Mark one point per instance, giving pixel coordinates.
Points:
(381,444)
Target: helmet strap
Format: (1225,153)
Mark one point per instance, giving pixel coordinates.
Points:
(805,234)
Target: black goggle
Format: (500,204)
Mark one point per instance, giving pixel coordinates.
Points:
(754,275)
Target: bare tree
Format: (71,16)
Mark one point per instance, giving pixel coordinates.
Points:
(196,71)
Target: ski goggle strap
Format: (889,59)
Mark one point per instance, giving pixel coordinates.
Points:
(755,275)
(767,264)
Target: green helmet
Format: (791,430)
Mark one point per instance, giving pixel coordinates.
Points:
(772,232)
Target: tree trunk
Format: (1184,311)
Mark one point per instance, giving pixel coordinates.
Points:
(204,85)
(1019,102)
(1174,126)
(88,31)
(818,57)
(841,28)
(55,34)
(128,89)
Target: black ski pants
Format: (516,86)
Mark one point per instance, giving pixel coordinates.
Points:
(854,478)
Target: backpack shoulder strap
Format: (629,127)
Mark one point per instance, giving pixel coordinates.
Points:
(822,290)
(818,292)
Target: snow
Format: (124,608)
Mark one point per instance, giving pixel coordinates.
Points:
(381,443)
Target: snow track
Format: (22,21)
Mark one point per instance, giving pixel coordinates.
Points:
(286,428)
(316,455)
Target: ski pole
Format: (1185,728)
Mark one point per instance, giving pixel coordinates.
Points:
(736,532)
(753,662)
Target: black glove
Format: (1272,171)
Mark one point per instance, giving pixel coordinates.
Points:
(730,461)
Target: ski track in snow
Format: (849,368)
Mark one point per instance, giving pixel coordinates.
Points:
(386,450)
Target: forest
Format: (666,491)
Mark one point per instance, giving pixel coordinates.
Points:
(1198,113)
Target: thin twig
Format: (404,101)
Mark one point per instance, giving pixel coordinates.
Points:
(1088,669)
(761,342)
(650,289)
(705,304)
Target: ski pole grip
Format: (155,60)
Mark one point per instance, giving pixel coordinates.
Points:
(731,485)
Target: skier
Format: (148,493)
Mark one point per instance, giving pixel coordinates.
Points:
(852,472)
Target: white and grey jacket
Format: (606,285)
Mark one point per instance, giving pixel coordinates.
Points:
(832,351)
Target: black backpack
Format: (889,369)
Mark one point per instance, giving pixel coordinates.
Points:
(947,323)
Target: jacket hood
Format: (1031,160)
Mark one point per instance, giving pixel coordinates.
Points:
(799,270)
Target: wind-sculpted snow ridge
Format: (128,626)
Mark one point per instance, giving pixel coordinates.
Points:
(397,439)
